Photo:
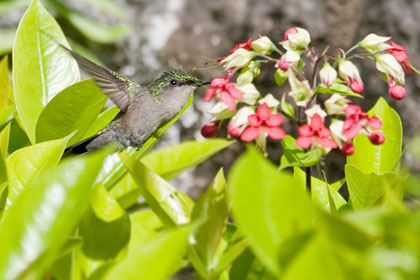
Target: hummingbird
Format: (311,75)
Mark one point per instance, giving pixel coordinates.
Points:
(143,109)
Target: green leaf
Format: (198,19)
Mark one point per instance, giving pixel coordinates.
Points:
(279,209)
(281,77)
(171,161)
(101,121)
(4,140)
(151,255)
(319,191)
(3,173)
(294,156)
(96,32)
(103,240)
(116,170)
(4,82)
(17,137)
(379,159)
(41,69)
(103,204)
(171,206)
(367,190)
(73,109)
(212,208)
(6,113)
(37,225)
(337,88)
(24,165)
(286,107)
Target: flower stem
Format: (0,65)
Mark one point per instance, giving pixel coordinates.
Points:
(308,178)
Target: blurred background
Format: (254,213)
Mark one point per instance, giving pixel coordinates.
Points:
(141,38)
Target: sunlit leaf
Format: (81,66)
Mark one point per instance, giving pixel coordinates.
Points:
(4,82)
(6,113)
(73,109)
(4,140)
(37,225)
(101,121)
(379,159)
(41,68)
(337,88)
(171,206)
(171,161)
(25,164)
(295,156)
(103,204)
(279,209)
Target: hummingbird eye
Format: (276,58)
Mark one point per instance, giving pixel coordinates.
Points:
(173,82)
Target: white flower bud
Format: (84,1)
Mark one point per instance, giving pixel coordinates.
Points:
(336,104)
(250,94)
(336,129)
(301,91)
(271,102)
(327,74)
(220,111)
(374,43)
(316,109)
(240,58)
(300,40)
(386,63)
(347,70)
(240,119)
(263,45)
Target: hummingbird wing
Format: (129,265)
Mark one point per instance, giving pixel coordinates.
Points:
(114,85)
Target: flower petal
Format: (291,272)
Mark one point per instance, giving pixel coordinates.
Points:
(263,112)
(306,130)
(254,121)
(352,131)
(250,133)
(375,123)
(326,142)
(228,100)
(324,132)
(218,83)
(210,93)
(304,142)
(352,110)
(274,120)
(316,122)
(233,91)
(275,132)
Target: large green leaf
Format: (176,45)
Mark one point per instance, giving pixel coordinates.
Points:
(101,121)
(151,256)
(41,68)
(295,156)
(104,205)
(36,226)
(367,190)
(269,206)
(4,82)
(171,161)
(4,140)
(212,208)
(73,109)
(319,191)
(6,113)
(379,159)
(171,206)
(25,164)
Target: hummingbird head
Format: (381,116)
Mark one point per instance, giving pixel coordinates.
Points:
(173,84)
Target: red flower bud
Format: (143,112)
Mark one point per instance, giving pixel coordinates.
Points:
(357,86)
(397,91)
(283,64)
(210,130)
(377,138)
(347,149)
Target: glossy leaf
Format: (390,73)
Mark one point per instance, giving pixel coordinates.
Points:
(295,156)
(279,209)
(171,206)
(4,140)
(101,121)
(103,204)
(320,188)
(212,208)
(4,82)
(38,223)
(3,173)
(151,256)
(379,159)
(17,138)
(41,69)
(337,88)
(367,190)
(171,161)
(116,170)
(25,164)
(73,109)
(6,113)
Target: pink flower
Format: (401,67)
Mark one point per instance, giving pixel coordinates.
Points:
(246,45)
(347,149)
(377,138)
(400,55)
(396,91)
(210,130)
(224,91)
(315,132)
(263,121)
(291,30)
(356,86)
(356,120)
(283,64)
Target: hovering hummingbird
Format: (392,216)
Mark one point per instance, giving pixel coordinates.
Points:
(143,109)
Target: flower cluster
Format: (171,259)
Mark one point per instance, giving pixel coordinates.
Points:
(326,125)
